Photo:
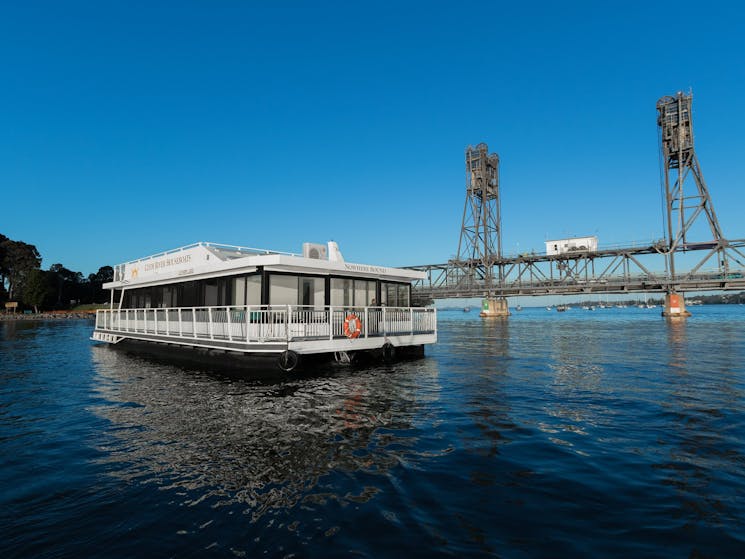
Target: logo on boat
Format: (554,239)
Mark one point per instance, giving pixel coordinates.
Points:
(363,268)
(167,262)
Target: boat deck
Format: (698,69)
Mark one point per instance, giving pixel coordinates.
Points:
(275,329)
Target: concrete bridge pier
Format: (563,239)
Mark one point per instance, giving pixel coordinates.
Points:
(675,306)
(494,307)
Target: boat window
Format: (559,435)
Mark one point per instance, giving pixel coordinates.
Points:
(391,291)
(364,293)
(283,290)
(215,292)
(348,292)
(189,295)
(238,291)
(210,293)
(341,292)
(245,290)
(312,292)
(140,298)
(168,296)
(294,290)
(253,290)
(395,294)
(403,295)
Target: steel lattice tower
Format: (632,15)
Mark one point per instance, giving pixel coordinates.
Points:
(686,196)
(480,243)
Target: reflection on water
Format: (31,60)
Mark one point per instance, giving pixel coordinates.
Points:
(677,343)
(262,444)
(697,406)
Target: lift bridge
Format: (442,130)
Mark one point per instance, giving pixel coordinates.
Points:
(693,239)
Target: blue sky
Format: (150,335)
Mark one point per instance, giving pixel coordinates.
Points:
(128,128)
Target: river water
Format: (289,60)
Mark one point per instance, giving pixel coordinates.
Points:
(611,433)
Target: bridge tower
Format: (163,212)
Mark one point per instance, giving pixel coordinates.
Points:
(687,199)
(480,243)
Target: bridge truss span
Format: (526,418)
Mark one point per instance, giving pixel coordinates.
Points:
(632,269)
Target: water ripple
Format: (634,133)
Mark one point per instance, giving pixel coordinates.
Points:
(545,435)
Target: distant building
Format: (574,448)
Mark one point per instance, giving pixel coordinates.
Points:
(571,245)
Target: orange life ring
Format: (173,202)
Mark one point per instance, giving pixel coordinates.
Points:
(352,326)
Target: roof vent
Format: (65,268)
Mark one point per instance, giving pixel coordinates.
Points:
(315,251)
(334,252)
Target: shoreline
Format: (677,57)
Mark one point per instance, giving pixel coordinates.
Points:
(54,315)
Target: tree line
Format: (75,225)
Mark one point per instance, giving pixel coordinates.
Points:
(23,281)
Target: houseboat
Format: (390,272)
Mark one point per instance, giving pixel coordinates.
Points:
(222,299)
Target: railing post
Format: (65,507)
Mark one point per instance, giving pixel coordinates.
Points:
(366,320)
(209,318)
(248,321)
(411,317)
(230,333)
(180,325)
(155,322)
(168,324)
(385,324)
(331,322)
(287,323)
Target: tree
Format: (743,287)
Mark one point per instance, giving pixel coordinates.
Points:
(35,289)
(70,285)
(3,271)
(19,259)
(105,274)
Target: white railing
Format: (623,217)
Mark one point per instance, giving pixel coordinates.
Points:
(261,324)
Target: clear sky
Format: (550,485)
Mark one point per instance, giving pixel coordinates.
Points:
(128,128)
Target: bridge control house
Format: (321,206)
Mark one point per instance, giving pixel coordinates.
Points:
(572,245)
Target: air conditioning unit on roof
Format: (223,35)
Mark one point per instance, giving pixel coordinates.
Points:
(316,251)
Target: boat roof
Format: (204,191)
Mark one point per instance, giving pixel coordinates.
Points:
(205,260)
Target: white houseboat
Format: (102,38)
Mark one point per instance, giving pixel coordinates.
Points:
(238,300)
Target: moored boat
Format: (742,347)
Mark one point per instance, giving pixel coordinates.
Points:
(224,298)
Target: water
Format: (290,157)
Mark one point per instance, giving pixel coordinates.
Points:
(610,433)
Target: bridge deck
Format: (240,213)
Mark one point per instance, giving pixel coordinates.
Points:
(633,269)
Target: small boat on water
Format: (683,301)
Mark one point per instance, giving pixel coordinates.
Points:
(561,308)
(466,309)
